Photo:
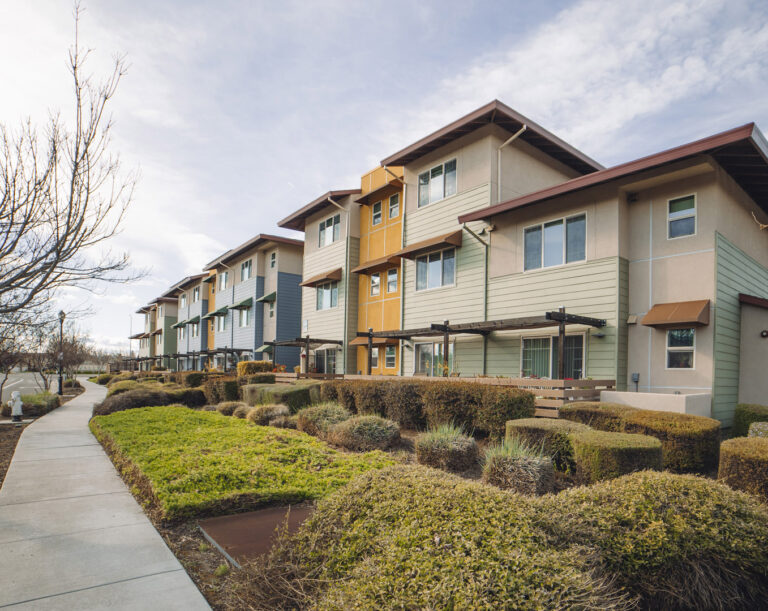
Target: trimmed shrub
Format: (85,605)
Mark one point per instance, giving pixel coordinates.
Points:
(72,383)
(601,416)
(262,414)
(190,397)
(123,376)
(221,389)
(369,397)
(295,396)
(241,411)
(346,396)
(318,419)
(328,390)
(34,406)
(758,429)
(259,378)
(445,446)
(246,368)
(744,465)
(132,399)
(104,378)
(193,379)
(227,408)
(603,455)
(553,436)
(498,404)
(746,414)
(452,402)
(688,443)
(284,422)
(363,433)
(673,541)
(404,404)
(513,465)
(122,386)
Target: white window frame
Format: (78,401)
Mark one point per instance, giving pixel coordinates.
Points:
(196,294)
(374,357)
(159,311)
(183,300)
(451,351)
(377,215)
(244,317)
(330,222)
(195,330)
(694,214)
(271,309)
(428,174)
(223,280)
(375,286)
(394,204)
(159,340)
(397,279)
(272,260)
(246,265)
(387,356)
(668,349)
(322,286)
(549,362)
(564,220)
(442,286)
(182,332)
(221,323)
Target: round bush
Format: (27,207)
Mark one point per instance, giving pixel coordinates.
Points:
(446,447)
(744,465)
(551,435)
(363,433)
(512,465)
(603,455)
(262,414)
(318,419)
(283,422)
(601,416)
(688,443)
(241,412)
(122,386)
(132,399)
(746,414)
(673,541)
(104,378)
(227,408)
(758,429)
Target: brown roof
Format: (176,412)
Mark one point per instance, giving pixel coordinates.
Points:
(333,274)
(742,152)
(678,313)
(503,116)
(255,242)
(760,302)
(375,265)
(447,239)
(298,219)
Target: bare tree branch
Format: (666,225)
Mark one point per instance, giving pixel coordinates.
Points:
(759,224)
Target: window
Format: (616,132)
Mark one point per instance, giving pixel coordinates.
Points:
(374,358)
(540,357)
(271,309)
(194,329)
(680,347)
(394,206)
(159,341)
(221,323)
(390,357)
(196,294)
(245,315)
(159,311)
(327,295)
(555,242)
(436,269)
(212,325)
(325,361)
(181,333)
(438,183)
(681,217)
(376,214)
(429,358)
(223,279)
(329,230)
(272,260)
(392,280)
(183,300)
(245,270)
(375,285)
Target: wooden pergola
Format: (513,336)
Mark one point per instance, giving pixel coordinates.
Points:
(306,343)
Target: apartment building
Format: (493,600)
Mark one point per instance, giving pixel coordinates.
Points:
(191,332)
(329,301)
(146,351)
(257,297)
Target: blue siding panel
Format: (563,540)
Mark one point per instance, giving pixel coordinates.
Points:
(288,321)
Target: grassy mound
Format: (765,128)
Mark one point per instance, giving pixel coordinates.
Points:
(512,465)
(746,414)
(601,416)
(758,429)
(318,419)
(295,396)
(445,446)
(602,455)
(551,435)
(122,386)
(132,399)
(361,433)
(744,465)
(189,463)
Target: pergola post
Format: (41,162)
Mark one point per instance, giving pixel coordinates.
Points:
(446,352)
(561,346)
(306,364)
(370,350)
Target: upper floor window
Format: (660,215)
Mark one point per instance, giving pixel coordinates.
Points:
(183,300)
(394,206)
(272,260)
(245,270)
(436,269)
(245,315)
(221,323)
(196,294)
(271,309)
(223,280)
(375,285)
(438,183)
(327,295)
(392,280)
(195,329)
(182,332)
(376,215)
(159,340)
(680,347)
(330,230)
(555,242)
(159,311)
(681,216)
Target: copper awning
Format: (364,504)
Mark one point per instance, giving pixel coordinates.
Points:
(389,188)
(441,241)
(377,341)
(678,313)
(376,265)
(157,331)
(334,274)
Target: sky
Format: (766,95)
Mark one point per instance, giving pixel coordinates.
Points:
(236,113)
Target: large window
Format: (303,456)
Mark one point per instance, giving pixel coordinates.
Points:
(429,359)
(390,357)
(436,269)
(159,311)
(327,295)
(194,329)
(221,323)
(376,215)
(245,316)
(438,183)
(330,230)
(556,242)
(223,279)
(245,270)
(375,285)
(183,300)
(182,333)
(392,280)
(681,213)
(394,206)
(196,294)
(374,358)
(680,348)
(540,357)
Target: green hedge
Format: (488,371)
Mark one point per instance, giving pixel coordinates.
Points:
(744,465)
(601,455)
(221,389)
(404,404)
(758,429)
(746,414)
(258,378)
(553,436)
(451,402)
(600,416)
(369,397)
(295,396)
(104,378)
(246,368)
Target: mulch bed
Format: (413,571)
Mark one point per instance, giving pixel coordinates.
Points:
(9,437)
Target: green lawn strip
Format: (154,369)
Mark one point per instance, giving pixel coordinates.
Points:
(189,464)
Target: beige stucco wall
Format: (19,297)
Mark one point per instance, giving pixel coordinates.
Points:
(753,381)
(289,259)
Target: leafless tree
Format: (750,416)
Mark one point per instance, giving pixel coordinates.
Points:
(71,350)
(36,342)
(11,357)
(102,358)
(759,224)
(63,195)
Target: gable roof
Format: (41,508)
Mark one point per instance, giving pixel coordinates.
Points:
(742,152)
(259,240)
(502,115)
(181,284)
(298,219)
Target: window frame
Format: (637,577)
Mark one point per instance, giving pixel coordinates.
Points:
(249,266)
(428,174)
(396,206)
(195,330)
(182,333)
(223,280)
(694,214)
(221,324)
(451,356)
(551,355)
(668,349)
(374,214)
(183,300)
(397,279)
(375,357)
(323,227)
(564,220)
(387,356)
(272,259)
(159,311)
(245,313)
(375,285)
(271,309)
(330,286)
(441,286)
(196,294)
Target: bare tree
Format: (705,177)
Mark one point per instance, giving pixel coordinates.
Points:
(36,342)
(62,196)
(759,224)
(70,351)
(11,357)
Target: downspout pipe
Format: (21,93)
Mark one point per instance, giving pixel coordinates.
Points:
(485,289)
(509,140)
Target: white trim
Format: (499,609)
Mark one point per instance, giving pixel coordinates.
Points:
(564,219)
(397,279)
(695,215)
(679,349)
(370,284)
(389,206)
(332,242)
(549,362)
(455,250)
(381,213)
(429,171)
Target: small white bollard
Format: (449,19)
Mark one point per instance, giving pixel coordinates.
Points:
(16,404)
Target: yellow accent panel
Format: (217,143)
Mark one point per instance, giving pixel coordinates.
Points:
(378,177)
(391,314)
(394,237)
(362,361)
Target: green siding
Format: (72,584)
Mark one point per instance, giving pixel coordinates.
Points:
(622,337)
(735,272)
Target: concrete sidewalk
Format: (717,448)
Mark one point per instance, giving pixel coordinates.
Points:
(71,534)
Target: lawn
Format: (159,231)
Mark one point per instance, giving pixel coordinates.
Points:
(188,463)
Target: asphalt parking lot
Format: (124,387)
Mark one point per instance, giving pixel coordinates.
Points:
(26,383)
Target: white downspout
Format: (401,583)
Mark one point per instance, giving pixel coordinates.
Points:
(498,160)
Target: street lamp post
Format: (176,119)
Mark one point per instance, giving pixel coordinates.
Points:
(62,316)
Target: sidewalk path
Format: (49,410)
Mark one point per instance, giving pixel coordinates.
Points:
(71,535)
